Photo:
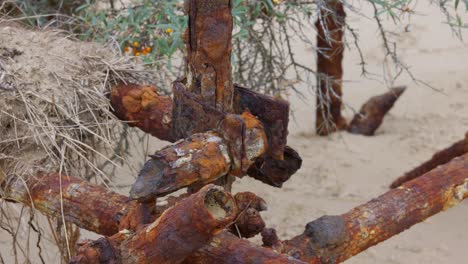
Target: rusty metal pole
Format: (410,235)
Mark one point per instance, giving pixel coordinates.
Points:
(141,106)
(457,149)
(326,240)
(209,52)
(209,45)
(330,47)
(175,235)
(334,239)
(86,205)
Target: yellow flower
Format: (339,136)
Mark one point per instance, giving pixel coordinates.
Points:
(169,30)
(276,2)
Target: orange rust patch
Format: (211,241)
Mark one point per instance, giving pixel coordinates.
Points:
(211,162)
(250,120)
(144,108)
(131,104)
(149,97)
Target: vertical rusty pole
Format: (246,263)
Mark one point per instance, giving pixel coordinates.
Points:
(209,52)
(209,45)
(330,32)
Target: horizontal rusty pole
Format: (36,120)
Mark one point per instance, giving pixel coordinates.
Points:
(89,206)
(141,106)
(334,239)
(180,230)
(372,113)
(457,149)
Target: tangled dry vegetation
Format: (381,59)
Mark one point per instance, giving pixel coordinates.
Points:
(54,113)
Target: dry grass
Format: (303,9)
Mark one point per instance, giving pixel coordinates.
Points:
(55,117)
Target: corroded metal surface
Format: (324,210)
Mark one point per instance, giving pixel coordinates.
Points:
(101,213)
(243,132)
(272,112)
(201,158)
(330,47)
(337,238)
(209,46)
(144,108)
(231,132)
(270,239)
(103,250)
(182,229)
(94,208)
(327,240)
(192,115)
(246,140)
(138,215)
(249,222)
(457,149)
(223,248)
(179,231)
(372,113)
(275,172)
(229,249)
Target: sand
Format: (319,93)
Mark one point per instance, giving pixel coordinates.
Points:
(342,171)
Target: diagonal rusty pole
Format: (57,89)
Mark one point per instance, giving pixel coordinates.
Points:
(334,239)
(178,232)
(457,149)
